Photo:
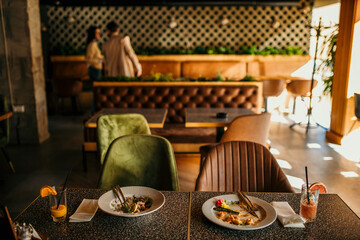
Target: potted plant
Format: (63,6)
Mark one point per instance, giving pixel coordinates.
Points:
(327,66)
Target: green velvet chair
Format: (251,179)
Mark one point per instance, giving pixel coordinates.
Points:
(140,160)
(5,130)
(112,126)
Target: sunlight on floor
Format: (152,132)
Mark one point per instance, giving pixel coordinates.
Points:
(349,147)
(349,174)
(284,164)
(295,182)
(328,158)
(279,118)
(274,151)
(313,145)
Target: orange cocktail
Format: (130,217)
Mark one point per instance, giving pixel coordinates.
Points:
(58,213)
(308,203)
(57,200)
(308,210)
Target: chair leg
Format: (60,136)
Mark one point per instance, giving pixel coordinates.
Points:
(219,133)
(355,121)
(8,160)
(84,159)
(61,102)
(74,104)
(294,105)
(79,103)
(266,104)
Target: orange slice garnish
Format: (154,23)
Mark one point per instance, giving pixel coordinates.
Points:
(58,212)
(318,185)
(46,191)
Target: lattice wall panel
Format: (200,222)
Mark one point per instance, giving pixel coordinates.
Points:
(196,26)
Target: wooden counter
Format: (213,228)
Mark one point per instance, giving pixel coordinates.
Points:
(197,57)
(195,65)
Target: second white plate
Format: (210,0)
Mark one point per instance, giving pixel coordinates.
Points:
(210,214)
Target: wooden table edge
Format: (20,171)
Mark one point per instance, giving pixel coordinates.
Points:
(205,124)
(151,125)
(6,116)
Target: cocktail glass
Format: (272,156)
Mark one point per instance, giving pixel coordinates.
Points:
(308,203)
(58,206)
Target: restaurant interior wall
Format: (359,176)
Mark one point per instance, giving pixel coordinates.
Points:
(148,26)
(21,71)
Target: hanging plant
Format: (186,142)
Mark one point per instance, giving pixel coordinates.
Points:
(327,66)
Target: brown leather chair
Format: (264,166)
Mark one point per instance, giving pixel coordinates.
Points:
(299,88)
(244,166)
(272,88)
(252,128)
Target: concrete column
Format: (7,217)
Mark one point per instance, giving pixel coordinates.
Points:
(24,82)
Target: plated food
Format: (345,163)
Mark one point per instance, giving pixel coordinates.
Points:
(142,201)
(237,213)
(135,204)
(227,211)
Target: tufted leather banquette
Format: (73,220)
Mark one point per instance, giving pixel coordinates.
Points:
(176,96)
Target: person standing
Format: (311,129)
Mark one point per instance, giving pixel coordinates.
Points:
(120,58)
(94,59)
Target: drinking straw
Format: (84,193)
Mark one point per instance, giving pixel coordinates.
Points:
(64,187)
(307,185)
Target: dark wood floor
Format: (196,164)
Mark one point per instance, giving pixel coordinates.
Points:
(48,163)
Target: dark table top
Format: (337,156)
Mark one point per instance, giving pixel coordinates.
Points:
(169,222)
(206,117)
(155,117)
(335,220)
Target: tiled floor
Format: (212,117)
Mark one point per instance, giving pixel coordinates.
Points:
(48,163)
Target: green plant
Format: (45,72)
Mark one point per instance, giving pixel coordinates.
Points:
(252,50)
(327,66)
(248,78)
(71,49)
(158,77)
(248,50)
(290,50)
(218,78)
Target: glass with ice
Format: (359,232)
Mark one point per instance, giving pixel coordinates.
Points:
(308,203)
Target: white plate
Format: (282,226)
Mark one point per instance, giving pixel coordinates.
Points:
(157,198)
(210,214)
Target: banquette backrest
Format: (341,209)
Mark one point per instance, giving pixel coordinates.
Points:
(176,96)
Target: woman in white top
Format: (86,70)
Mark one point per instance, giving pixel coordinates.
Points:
(94,59)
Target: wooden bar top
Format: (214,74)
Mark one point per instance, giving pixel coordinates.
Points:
(197,57)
